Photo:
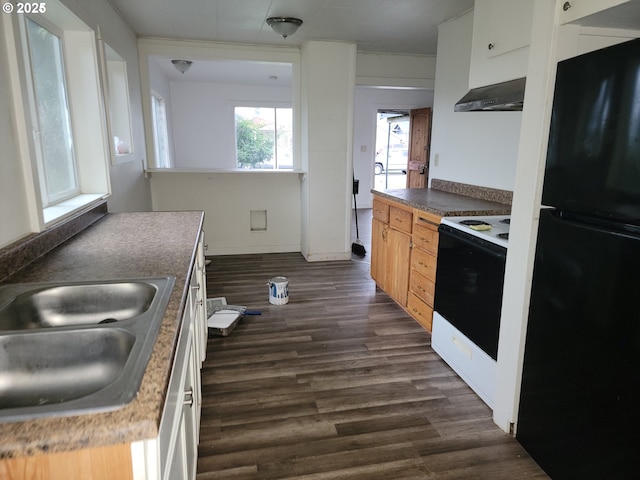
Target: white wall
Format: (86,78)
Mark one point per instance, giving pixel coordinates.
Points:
(327,97)
(401,71)
(130,190)
(368,100)
(203,120)
(479,148)
(228,199)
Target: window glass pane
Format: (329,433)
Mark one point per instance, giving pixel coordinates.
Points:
(264,137)
(161,136)
(53,122)
(255,137)
(284,138)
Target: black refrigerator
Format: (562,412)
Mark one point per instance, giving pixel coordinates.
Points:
(579,413)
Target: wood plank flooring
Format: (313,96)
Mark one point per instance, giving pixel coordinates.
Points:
(340,383)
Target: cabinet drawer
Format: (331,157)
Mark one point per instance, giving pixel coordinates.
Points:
(422,286)
(420,311)
(425,238)
(475,367)
(400,219)
(424,263)
(381,211)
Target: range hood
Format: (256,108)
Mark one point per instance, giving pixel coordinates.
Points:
(505,96)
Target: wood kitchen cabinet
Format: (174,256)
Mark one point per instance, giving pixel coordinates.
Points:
(424,257)
(379,224)
(391,248)
(404,250)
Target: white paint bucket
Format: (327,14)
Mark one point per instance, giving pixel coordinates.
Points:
(278,290)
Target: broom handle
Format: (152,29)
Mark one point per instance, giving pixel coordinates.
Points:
(355,207)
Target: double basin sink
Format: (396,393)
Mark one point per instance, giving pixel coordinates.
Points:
(68,348)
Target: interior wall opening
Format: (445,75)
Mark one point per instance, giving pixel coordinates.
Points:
(392,148)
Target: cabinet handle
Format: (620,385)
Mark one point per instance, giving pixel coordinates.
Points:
(566,6)
(188,397)
(490,46)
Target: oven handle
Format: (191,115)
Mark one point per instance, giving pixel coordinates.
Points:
(492,249)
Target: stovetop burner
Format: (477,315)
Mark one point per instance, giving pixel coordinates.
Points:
(473,222)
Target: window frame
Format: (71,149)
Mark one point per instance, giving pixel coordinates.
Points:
(267,105)
(86,105)
(161,162)
(47,198)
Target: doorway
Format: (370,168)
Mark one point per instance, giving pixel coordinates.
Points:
(392,149)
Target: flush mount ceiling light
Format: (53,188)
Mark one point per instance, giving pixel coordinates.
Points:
(284,26)
(182,65)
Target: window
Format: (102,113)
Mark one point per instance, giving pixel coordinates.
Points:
(160,133)
(52,122)
(65,140)
(264,137)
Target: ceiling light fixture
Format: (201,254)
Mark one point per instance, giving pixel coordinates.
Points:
(284,26)
(182,65)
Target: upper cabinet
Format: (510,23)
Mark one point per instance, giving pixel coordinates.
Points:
(601,13)
(501,37)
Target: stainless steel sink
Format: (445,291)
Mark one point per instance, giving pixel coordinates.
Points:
(75,304)
(43,368)
(81,347)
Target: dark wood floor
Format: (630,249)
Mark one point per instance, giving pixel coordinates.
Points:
(340,383)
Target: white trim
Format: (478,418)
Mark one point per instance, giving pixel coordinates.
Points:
(56,212)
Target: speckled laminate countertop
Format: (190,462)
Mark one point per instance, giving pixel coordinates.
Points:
(123,245)
(442,203)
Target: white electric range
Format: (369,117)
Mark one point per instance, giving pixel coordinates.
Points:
(472,255)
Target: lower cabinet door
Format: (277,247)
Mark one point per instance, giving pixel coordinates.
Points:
(378,251)
(185,454)
(397,265)
(191,414)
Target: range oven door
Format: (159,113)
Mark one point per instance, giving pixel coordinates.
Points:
(469,281)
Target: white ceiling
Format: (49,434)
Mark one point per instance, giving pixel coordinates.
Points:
(228,71)
(394,26)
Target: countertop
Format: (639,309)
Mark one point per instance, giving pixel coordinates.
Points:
(121,245)
(442,203)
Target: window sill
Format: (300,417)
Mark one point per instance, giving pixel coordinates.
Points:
(61,210)
(222,170)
